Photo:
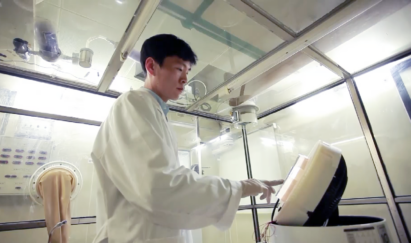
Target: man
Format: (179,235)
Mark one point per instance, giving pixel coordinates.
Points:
(144,195)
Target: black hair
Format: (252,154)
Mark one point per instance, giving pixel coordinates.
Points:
(161,46)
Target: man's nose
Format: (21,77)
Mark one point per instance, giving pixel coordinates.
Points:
(183,79)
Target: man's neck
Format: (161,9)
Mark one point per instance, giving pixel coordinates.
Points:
(148,85)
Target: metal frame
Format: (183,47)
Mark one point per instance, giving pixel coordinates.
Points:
(279,29)
(299,99)
(405,199)
(286,50)
(17,111)
(293,44)
(23,112)
(283,26)
(194,20)
(136,27)
(21,225)
(363,121)
(250,176)
(35,224)
(377,160)
(402,90)
(43,78)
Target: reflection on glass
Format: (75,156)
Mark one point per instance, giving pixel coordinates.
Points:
(221,152)
(265,161)
(406,213)
(68,39)
(330,117)
(242,230)
(39,135)
(41,97)
(291,79)
(297,15)
(184,128)
(372,210)
(222,37)
(371,37)
(385,93)
(78,233)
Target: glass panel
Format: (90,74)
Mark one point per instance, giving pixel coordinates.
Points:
(35,96)
(56,31)
(265,161)
(184,128)
(242,230)
(222,37)
(377,210)
(406,213)
(295,14)
(293,78)
(330,117)
(29,133)
(373,36)
(222,152)
(386,97)
(290,79)
(78,233)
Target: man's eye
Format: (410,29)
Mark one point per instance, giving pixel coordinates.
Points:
(180,69)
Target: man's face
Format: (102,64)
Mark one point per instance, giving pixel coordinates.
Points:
(170,78)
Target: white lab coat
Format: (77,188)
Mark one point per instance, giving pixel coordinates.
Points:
(144,195)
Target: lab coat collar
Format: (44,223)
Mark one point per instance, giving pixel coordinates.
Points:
(163,104)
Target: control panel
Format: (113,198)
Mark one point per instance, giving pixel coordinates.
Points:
(19,159)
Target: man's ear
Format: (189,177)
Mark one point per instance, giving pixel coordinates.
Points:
(150,63)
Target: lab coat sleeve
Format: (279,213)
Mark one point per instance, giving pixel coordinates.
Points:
(142,164)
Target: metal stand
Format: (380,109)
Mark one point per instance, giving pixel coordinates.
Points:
(250,176)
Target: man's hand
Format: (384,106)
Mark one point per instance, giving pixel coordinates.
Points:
(254,187)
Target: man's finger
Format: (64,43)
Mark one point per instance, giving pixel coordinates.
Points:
(269,198)
(274,183)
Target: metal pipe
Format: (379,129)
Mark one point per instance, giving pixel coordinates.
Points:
(198,151)
(250,176)
(377,160)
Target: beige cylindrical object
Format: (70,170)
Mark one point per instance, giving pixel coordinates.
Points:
(55,188)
